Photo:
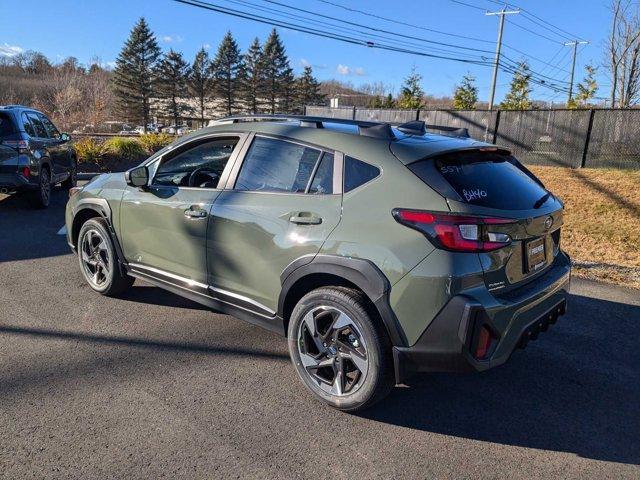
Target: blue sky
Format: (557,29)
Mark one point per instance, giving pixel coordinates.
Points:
(89,28)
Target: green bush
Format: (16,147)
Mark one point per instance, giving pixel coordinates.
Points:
(123,147)
(88,150)
(152,142)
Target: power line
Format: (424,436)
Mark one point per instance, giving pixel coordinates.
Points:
(468,5)
(535,33)
(527,13)
(406,24)
(345,38)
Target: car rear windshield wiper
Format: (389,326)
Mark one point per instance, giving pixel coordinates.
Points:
(541,200)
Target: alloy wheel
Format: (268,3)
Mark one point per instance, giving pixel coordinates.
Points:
(332,350)
(96,260)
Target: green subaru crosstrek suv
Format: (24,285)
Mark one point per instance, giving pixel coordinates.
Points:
(378,251)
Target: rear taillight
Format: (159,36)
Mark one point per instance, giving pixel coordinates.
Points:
(26,172)
(458,233)
(484,343)
(22,146)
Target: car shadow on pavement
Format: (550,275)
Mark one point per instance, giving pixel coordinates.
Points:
(576,389)
(158,296)
(28,232)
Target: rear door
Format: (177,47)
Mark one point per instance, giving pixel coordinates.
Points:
(41,142)
(281,203)
(491,183)
(58,149)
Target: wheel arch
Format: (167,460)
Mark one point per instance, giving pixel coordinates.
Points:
(95,208)
(310,272)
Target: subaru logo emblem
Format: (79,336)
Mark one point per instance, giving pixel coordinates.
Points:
(548,222)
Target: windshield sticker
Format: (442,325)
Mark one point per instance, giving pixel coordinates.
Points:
(476,194)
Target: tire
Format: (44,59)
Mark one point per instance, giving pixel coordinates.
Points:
(347,337)
(41,197)
(99,261)
(72,181)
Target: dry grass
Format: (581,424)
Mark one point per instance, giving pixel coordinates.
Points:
(602,220)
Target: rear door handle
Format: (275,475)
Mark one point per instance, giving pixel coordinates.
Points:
(194,211)
(305,218)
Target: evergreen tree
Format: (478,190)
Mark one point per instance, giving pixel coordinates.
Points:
(253,78)
(465,95)
(173,72)
(518,96)
(308,90)
(586,89)
(275,66)
(134,74)
(200,82)
(411,93)
(288,93)
(227,70)
(389,102)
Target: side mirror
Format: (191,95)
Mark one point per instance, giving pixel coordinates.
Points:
(65,137)
(137,177)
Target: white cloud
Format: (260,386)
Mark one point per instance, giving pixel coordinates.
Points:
(343,69)
(171,38)
(7,50)
(304,62)
(206,46)
(346,70)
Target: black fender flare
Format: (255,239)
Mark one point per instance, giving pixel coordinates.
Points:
(362,273)
(103,209)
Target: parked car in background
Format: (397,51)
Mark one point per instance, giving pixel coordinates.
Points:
(377,251)
(34,155)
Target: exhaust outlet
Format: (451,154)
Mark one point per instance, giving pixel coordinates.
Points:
(4,190)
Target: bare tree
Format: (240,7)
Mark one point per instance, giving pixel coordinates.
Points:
(623,51)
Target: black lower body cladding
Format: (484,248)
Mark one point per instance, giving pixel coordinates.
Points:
(451,342)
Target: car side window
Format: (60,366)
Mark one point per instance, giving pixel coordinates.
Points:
(38,126)
(199,166)
(357,173)
(27,125)
(273,165)
(50,127)
(322,182)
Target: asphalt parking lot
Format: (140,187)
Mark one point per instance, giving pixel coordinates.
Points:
(155,386)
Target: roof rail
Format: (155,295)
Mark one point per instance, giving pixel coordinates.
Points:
(370,129)
(380,130)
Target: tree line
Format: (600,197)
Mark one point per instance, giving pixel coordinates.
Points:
(258,81)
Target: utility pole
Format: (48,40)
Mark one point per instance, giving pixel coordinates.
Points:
(501,13)
(574,44)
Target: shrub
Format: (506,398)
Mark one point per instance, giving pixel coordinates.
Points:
(152,142)
(123,147)
(88,150)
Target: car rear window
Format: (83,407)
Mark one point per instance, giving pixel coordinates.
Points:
(6,125)
(487,179)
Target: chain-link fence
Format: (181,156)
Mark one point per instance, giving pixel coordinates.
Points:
(570,138)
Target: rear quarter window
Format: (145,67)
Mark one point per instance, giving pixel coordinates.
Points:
(357,173)
(486,179)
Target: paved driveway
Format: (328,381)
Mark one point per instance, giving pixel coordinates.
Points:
(152,386)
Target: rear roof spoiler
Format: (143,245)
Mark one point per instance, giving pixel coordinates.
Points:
(419,127)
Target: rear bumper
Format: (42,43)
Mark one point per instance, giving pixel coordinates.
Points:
(15,181)
(447,344)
